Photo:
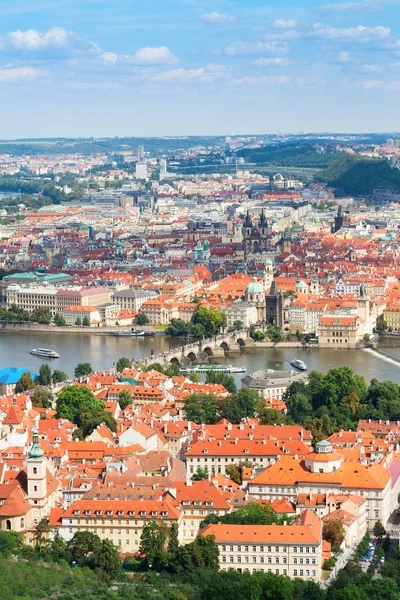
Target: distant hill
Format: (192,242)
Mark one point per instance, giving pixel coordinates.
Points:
(359,176)
(288,155)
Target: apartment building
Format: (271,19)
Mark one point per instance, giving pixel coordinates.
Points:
(325,471)
(294,550)
(132,299)
(215,455)
(120,521)
(270,383)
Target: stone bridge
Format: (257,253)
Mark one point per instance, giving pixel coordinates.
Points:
(215,346)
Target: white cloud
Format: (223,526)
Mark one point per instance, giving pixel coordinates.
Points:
(377,84)
(89,85)
(20,74)
(145,56)
(56,38)
(372,68)
(370,6)
(270,62)
(282,24)
(249,48)
(264,80)
(216,18)
(355,35)
(216,68)
(154,56)
(200,75)
(344,57)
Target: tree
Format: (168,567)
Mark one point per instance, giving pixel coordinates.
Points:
(59,320)
(82,545)
(256,334)
(201,408)
(80,406)
(379,530)
(299,408)
(40,534)
(142,319)
(329,563)
(381,326)
(235,471)
(123,363)
(86,321)
(78,321)
(10,542)
(213,320)
(236,326)
(124,399)
(274,333)
(173,542)
(195,377)
(45,374)
(333,532)
(200,474)
(153,541)
(247,402)
(59,376)
(25,383)
(41,397)
(269,416)
(83,369)
(222,379)
(42,316)
(107,558)
(90,418)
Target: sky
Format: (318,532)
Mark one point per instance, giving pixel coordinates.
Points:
(80,68)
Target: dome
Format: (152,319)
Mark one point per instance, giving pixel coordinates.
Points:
(300,285)
(254,287)
(268,261)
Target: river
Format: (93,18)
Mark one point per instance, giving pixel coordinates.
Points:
(102,351)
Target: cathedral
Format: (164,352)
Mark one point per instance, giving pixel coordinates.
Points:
(256,236)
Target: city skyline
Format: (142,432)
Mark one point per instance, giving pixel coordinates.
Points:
(197,67)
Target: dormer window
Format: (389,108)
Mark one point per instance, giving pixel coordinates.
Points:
(98,513)
(109,513)
(197,503)
(77,513)
(186,503)
(143,514)
(132,513)
(164,513)
(205,451)
(88,513)
(209,503)
(246,450)
(154,513)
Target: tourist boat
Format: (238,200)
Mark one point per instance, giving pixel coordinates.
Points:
(299,364)
(214,368)
(132,333)
(45,352)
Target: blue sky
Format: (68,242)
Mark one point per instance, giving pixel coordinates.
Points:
(176,67)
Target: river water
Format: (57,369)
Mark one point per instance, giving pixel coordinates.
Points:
(102,351)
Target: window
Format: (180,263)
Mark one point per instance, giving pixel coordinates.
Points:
(295,571)
(35,470)
(301,572)
(254,548)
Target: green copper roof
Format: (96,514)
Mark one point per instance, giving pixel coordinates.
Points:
(35,451)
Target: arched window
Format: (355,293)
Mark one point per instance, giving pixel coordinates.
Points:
(8,524)
(22,523)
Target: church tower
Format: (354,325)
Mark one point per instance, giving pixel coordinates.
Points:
(363,303)
(314,288)
(286,242)
(36,474)
(268,274)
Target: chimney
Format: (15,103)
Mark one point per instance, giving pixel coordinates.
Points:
(15,400)
(189,483)
(189,426)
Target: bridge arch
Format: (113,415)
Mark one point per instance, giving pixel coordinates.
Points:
(191,355)
(224,346)
(207,350)
(241,342)
(175,361)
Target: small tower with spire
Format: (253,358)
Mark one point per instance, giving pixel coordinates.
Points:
(36,474)
(268,274)
(363,303)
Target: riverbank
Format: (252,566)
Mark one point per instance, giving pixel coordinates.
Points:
(51,329)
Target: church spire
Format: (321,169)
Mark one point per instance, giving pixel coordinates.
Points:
(35,452)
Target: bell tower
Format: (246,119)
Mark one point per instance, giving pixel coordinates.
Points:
(36,473)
